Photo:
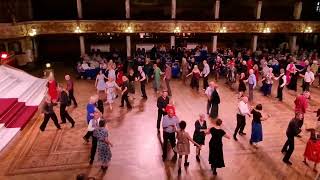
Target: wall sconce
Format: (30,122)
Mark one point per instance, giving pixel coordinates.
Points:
(308,29)
(177,30)
(77,30)
(33,32)
(223,30)
(128,29)
(266,30)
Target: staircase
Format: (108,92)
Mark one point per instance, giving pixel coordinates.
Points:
(20,96)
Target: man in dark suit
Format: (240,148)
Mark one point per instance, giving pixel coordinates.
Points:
(292,131)
(64,101)
(162,102)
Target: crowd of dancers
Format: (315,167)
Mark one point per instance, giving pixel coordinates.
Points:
(113,82)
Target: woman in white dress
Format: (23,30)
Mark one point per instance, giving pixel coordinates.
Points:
(100,83)
(111,86)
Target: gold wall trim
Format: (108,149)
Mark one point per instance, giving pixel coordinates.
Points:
(93,26)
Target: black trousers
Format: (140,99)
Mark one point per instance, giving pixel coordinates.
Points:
(168,87)
(168,137)
(208,106)
(214,110)
(241,123)
(72,98)
(54,118)
(305,86)
(279,93)
(124,98)
(143,89)
(93,148)
(205,82)
(160,114)
(64,114)
(88,135)
(288,148)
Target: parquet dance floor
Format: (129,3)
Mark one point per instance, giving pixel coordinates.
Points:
(137,148)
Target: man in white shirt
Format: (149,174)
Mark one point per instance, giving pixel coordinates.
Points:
(282,82)
(243,111)
(308,78)
(205,73)
(93,124)
(208,93)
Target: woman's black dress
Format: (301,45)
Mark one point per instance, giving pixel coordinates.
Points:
(215,148)
(215,101)
(242,85)
(293,81)
(131,87)
(199,137)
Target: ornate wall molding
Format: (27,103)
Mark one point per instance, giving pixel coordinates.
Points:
(92,26)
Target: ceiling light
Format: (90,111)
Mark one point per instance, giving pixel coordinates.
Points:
(308,30)
(223,30)
(48,65)
(177,30)
(128,30)
(33,32)
(77,30)
(266,30)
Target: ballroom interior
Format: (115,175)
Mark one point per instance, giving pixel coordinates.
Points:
(38,37)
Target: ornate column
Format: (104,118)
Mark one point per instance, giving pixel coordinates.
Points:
(217,9)
(30,13)
(297,10)
(258,9)
(79,9)
(173,9)
(214,43)
(127,6)
(81,38)
(172,41)
(293,44)
(82,46)
(128,40)
(296,16)
(254,43)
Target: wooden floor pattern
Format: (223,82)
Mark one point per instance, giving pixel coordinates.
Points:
(137,148)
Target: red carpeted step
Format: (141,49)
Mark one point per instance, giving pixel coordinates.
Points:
(12,112)
(6,104)
(23,117)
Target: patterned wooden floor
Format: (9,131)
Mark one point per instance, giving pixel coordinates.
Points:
(137,148)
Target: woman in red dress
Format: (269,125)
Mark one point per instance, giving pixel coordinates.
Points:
(195,77)
(312,151)
(170,107)
(52,88)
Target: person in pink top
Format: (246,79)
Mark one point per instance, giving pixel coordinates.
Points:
(170,107)
(52,88)
(301,104)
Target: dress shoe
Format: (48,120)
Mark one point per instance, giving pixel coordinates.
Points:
(121,106)
(186,164)
(287,162)
(198,158)
(179,171)
(85,139)
(72,125)
(235,138)
(91,162)
(62,123)
(299,136)
(174,158)
(242,133)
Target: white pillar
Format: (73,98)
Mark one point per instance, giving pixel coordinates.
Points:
(82,46)
(79,9)
(173,9)
(254,43)
(297,10)
(214,43)
(172,41)
(127,6)
(293,43)
(217,9)
(259,7)
(128,40)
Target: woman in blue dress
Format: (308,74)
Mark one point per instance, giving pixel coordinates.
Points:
(256,131)
(104,151)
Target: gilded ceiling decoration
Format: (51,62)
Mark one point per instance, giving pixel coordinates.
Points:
(66,27)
